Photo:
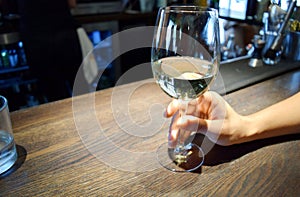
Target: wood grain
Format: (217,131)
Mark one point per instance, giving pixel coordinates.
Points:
(59,148)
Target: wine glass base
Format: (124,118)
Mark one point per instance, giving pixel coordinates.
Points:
(167,158)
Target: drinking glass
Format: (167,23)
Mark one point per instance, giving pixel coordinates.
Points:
(8,151)
(184,58)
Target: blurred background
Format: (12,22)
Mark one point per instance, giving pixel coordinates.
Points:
(240,21)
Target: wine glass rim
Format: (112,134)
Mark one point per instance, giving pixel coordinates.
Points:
(187,8)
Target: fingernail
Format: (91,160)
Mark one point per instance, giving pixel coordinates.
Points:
(165,113)
(180,121)
(173,134)
(172,138)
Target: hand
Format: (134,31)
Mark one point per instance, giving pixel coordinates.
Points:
(210,115)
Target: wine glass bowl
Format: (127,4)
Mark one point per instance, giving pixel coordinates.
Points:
(185,58)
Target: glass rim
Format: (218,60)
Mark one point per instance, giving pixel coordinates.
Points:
(3,103)
(187,9)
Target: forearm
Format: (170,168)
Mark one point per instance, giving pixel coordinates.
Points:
(279,119)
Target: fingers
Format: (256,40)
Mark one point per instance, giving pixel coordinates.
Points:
(171,109)
(197,107)
(178,136)
(205,115)
(172,138)
(181,128)
(173,131)
(192,123)
(175,105)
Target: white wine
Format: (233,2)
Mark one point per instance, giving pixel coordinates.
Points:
(183,77)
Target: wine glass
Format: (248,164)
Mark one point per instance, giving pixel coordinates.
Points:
(184,58)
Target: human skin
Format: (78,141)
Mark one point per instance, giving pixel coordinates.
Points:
(212,116)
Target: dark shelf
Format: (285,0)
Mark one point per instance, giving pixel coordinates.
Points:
(7,83)
(121,17)
(11,70)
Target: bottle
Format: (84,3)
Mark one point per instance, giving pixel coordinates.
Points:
(21,54)
(161,3)
(5,57)
(231,47)
(258,44)
(1,64)
(13,57)
(202,3)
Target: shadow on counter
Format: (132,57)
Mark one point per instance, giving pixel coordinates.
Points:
(223,154)
(22,153)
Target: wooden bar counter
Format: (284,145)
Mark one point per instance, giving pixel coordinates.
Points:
(104,143)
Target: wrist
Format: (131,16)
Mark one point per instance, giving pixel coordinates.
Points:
(251,127)
(241,130)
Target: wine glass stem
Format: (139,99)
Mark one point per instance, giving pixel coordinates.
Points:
(180,146)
